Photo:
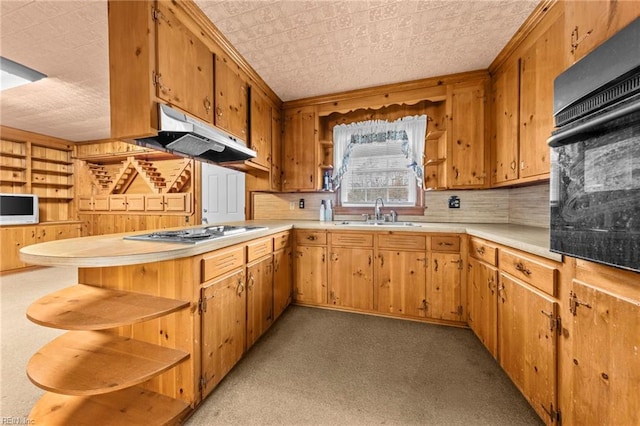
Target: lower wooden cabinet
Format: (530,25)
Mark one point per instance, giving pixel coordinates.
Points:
(224,308)
(310,274)
(153,203)
(527,341)
(400,283)
(444,287)
(259,298)
(282,280)
(351,277)
(483,303)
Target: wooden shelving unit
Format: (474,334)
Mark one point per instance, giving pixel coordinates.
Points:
(72,366)
(435,160)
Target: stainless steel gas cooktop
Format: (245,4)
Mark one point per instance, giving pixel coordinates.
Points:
(196,235)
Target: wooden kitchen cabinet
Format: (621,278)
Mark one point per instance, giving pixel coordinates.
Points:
(539,66)
(483,304)
(400,283)
(310,267)
(299,163)
(276,150)
(231,98)
(261,134)
(506,116)
(184,75)
(351,277)
(527,341)
(467,152)
(604,368)
(586,26)
(282,273)
(444,286)
(259,298)
(224,307)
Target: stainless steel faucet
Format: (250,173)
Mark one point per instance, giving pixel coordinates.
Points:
(376,208)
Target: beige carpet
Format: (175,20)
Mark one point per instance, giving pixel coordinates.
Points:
(312,367)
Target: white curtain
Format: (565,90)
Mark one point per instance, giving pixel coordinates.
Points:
(410,130)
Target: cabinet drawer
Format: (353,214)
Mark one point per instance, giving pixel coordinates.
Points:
(350,240)
(311,238)
(222,261)
(529,270)
(484,251)
(281,240)
(259,248)
(447,243)
(408,242)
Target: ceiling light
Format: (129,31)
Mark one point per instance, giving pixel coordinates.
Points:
(15,74)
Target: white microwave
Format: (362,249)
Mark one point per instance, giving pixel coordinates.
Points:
(18,209)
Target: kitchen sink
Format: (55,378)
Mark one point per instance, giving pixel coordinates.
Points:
(368,223)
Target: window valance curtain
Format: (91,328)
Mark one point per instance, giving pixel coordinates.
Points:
(410,131)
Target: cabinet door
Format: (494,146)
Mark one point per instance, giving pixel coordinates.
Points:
(527,342)
(135,202)
(400,285)
(310,275)
(230,98)
(177,202)
(184,66)
(154,203)
(260,135)
(539,66)
(223,327)
(85,203)
(605,367)
(117,203)
(506,109)
(299,150)
(444,287)
(483,304)
(282,281)
(468,159)
(588,24)
(12,239)
(259,299)
(351,277)
(276,150)
(101,203)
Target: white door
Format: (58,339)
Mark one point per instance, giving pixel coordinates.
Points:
(222,194)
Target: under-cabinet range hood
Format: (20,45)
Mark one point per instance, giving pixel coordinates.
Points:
(186,136)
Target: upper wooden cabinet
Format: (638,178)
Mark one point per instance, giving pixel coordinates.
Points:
(184,74)
(231,100)
(586,26)
(522,98)
(260,122)
(468,159)
(299,150)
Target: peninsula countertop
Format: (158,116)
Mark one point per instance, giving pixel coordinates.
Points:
(113,250)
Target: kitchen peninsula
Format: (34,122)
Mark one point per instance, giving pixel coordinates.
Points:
(196,308)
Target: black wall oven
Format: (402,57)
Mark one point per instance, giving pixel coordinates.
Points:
(595,172)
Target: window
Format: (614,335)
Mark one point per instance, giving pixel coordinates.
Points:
(378,170)
(379,159)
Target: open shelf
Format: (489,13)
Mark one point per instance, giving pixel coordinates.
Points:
(12,154)
(52,184)
(52,197)
(93,362)
(132,406)
(52,160)
(10,167)
(85,307)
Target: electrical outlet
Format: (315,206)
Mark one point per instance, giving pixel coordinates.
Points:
(301,203)
(454,202)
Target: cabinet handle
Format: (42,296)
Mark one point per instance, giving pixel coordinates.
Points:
(424,306)
(381,261)
(513,165)
(369,260)
(491,285)
(240,288)
(435,265)
(480,250)
(311,238)
(501,293)
(457,173)
(445,244)
(251,282)
(207,104)
(520,267)
(311,178)
(333,257)
(576,40)
(332,296)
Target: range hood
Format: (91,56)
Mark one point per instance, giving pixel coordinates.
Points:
(186,136)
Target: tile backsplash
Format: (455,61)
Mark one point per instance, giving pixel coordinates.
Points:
(525,206)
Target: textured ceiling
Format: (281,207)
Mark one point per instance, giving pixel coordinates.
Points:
(300,48)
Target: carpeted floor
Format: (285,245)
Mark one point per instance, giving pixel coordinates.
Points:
(313,366)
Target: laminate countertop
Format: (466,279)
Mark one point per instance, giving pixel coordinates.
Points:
(113,250)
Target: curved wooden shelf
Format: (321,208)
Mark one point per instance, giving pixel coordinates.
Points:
(132,406)
(85,307)
(92,362)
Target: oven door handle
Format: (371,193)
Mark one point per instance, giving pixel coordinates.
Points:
(563,137)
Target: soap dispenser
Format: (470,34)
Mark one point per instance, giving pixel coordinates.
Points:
(329,211)
(323,214)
